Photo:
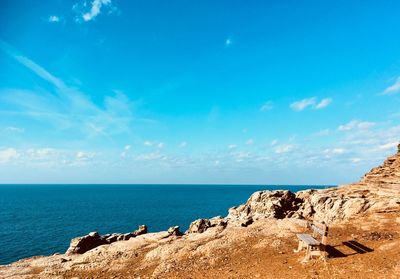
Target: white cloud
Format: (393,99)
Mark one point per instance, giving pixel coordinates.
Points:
(127,147)
(8,154)
(53,18)
(95,8)
(389,145)
(228,42)
(267,106)
(151,156)
(323,103)
(310,102)
(356,124)
(302,104)
(38,70)
(338,150)
(355,160)
(393,89)
(148,143)
(84,156)
(232,146)
(284,148)
(39,153)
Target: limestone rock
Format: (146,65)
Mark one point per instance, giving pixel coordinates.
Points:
(266,204)
(174,231)
(201,225)
(80,245)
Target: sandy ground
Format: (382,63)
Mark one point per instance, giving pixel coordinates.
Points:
(362,248)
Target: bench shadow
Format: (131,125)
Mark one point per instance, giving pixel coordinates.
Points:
(333,252)
(357,247)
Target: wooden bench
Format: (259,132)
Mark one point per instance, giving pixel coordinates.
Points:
(315,244)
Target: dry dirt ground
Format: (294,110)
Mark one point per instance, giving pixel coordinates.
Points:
(367,247)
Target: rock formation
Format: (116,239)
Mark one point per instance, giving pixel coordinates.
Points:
(378,191)
(82,244)
(201,225)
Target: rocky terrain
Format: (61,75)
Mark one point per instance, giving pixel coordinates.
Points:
(255,240)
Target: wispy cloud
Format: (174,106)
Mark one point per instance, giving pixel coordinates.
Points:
(284,148)
(323,103)
(228,42)
(394,88)
(356,124)
(7,155)
(267,106)
(302,104)
(389,145)
(157,144)
(310,102)
(87,12)
(66,107)
(157,155)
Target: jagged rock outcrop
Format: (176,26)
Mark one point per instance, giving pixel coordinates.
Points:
(201,225)
(266,204)
(174,231)
(82,244)
(378,191)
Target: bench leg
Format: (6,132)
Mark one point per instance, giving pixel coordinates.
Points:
(300,247)
(307,257)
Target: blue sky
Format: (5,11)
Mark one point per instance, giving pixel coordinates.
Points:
(258,92)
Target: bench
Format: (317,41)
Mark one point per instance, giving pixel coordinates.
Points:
(315,244)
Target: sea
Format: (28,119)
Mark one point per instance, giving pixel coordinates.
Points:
(42,219)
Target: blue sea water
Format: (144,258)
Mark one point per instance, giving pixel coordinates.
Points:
(42,219)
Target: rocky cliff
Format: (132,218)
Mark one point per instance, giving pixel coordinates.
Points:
(377,191)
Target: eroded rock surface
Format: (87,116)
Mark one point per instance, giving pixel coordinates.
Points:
(80,245)
(378,191)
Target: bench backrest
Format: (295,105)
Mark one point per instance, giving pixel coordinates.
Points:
(320,230)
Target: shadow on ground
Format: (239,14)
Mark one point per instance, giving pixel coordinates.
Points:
(356,247)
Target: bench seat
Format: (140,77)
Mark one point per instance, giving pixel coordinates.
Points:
(308,239)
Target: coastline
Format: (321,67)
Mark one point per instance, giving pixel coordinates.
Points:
(130,205)
(367,212)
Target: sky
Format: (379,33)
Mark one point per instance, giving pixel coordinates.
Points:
(236,92)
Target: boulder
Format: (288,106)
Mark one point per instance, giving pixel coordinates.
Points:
(141,230)
(80,245)
(266,204)
(174,231)
(201,225)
